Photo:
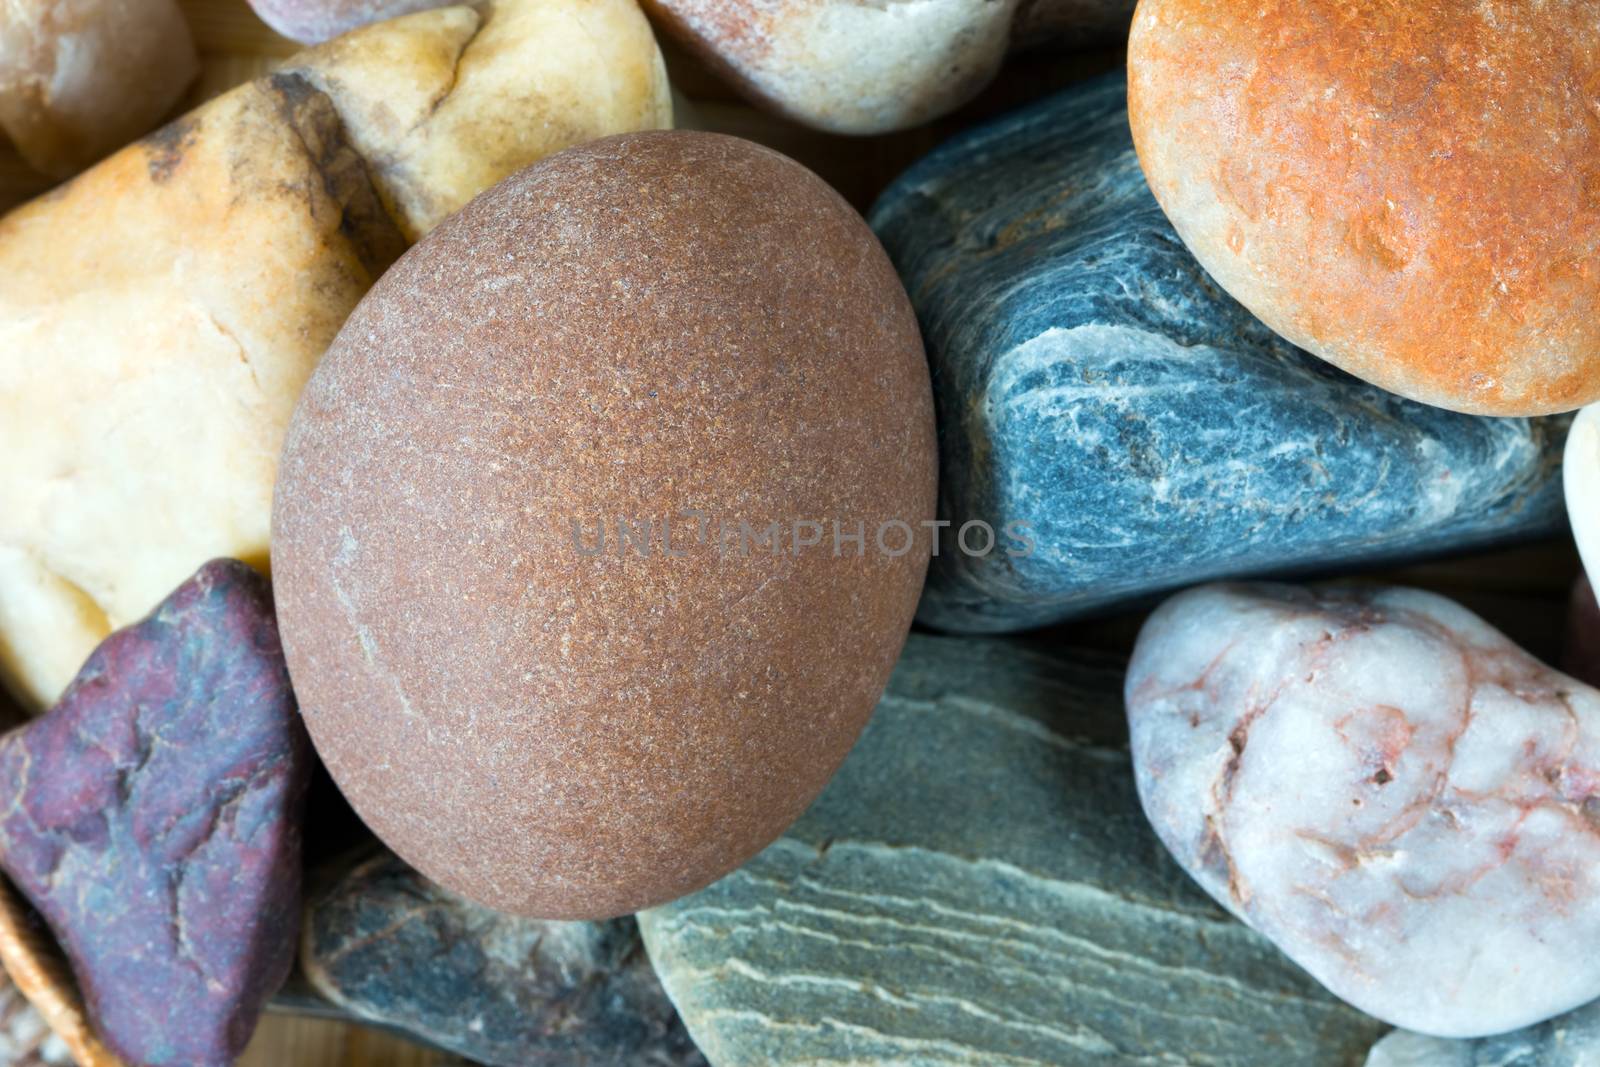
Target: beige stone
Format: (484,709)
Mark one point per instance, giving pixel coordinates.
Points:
(444,111)
(159,316)
(855,67)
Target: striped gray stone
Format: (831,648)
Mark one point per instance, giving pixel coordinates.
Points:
(979,887)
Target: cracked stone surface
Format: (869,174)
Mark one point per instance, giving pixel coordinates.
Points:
(1094,383)
(391,947)
(1571,1040)
(978,887)
(1376,779)
(154,821)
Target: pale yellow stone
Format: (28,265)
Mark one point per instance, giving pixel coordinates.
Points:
(159,316)
(436,132)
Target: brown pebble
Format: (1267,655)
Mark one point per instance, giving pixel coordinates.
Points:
(633,329)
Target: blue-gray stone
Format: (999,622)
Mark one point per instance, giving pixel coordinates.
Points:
(1094,383)
(386,946)
(1571,1040)
(979,887)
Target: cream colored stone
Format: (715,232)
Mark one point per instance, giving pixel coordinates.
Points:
(1582,472)
(159,315)
(80,78)
(872,66)
(445,103)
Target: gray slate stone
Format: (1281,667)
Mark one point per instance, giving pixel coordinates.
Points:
(1571,1040)
(978,887)
(389,947)
(1094,382)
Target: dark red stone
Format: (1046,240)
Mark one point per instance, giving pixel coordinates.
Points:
(1582,659)
(154,821)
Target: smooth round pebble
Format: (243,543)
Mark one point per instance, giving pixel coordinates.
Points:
(681,333)
(1408,190)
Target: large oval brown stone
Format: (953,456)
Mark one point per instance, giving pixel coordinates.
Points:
(637,329)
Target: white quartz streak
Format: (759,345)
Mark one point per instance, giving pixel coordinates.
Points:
(1381,783)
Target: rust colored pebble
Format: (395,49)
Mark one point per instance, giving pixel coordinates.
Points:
(1409,190)
(681,333)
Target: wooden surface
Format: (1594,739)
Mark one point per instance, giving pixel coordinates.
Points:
(1523,591)
(284,1040)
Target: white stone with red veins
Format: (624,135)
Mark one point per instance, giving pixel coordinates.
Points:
(1378,781)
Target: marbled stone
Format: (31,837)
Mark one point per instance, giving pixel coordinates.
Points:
(977,887)
(1403,800)
(1093,383)
(154,822)
(391,947)
(1571,1040)
(1582,656)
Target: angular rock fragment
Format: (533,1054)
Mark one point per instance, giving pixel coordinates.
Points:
(154,822)
(391,947)
(1379,781)
(977,886)
(1094,384)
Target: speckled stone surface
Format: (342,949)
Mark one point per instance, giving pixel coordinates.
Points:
(154,821)
(391,947)
(977,887)
(1406,189)
(547,719)
(1092,381)
(1571,1040)
(1378,780)
(1581,658)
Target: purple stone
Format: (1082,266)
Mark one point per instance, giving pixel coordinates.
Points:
(1582,659)
(154,822)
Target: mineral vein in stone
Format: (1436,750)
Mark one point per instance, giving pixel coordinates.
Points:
(1385,786)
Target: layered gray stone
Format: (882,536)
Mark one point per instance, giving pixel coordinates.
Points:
(387,946)
(979,887)
(1096,385)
